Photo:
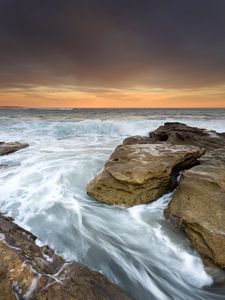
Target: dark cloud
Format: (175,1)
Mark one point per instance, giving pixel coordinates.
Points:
(155,43)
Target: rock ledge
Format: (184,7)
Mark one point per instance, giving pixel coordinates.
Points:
(31,272)
(140,173)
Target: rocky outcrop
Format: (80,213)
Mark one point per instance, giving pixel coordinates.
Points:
(181,134)
(140,173)
(198,206)
(11,147)
(31,272)
(144,168)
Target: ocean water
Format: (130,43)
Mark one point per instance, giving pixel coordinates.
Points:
(44,189)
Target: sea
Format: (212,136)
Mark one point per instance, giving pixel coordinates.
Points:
(43,187)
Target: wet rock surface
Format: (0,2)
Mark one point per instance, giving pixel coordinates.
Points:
(31,272)
(11,147)
(140,173)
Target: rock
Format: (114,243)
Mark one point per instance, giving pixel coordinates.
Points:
(140,173)
(144,168)
(137,139)
(198,206)
(7,148)
(181,134)
(31,272)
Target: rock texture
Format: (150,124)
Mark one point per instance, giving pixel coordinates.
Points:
(140,173)
(7,148)
(181,134)
(198,206)
(144,168)
(31,272)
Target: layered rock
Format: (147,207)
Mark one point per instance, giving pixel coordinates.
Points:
(136,173)
(181,134)
(11,147)
(31,272)
(140,173)
(198,206)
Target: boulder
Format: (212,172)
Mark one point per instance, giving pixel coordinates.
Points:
(11,147)
(198,206)
(140,173)
(31,272)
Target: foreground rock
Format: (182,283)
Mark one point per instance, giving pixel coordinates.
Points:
(31,272)
(140,173)
(198,206)
(7,148)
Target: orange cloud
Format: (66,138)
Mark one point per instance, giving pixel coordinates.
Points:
(96,97)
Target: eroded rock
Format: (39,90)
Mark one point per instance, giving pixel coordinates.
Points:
(140,173)
(132,177)
(198,206)
(31,272)
(11,147)
(181,134)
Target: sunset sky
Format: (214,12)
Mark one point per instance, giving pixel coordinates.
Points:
(112,53)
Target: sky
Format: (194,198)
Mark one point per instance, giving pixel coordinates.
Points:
(112,53)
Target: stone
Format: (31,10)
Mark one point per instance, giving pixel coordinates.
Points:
(182,134)
(28,271)
(198,206)
(11,147)
(175,133)
(140,173)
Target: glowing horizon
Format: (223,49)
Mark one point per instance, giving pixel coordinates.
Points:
(83,97)
(112,54)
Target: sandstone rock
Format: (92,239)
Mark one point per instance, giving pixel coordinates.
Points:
(140,173)
(181,134)
(137,139)
(31,272)
(198,206)
(7,148)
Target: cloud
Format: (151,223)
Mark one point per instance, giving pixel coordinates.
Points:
(115,44)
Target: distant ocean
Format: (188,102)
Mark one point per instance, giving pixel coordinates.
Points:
(43,188)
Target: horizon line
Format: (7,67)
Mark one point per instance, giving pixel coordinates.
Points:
(147,107)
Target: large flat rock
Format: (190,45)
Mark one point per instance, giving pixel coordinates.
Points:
(31,272)
(140,173)
(198,206)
